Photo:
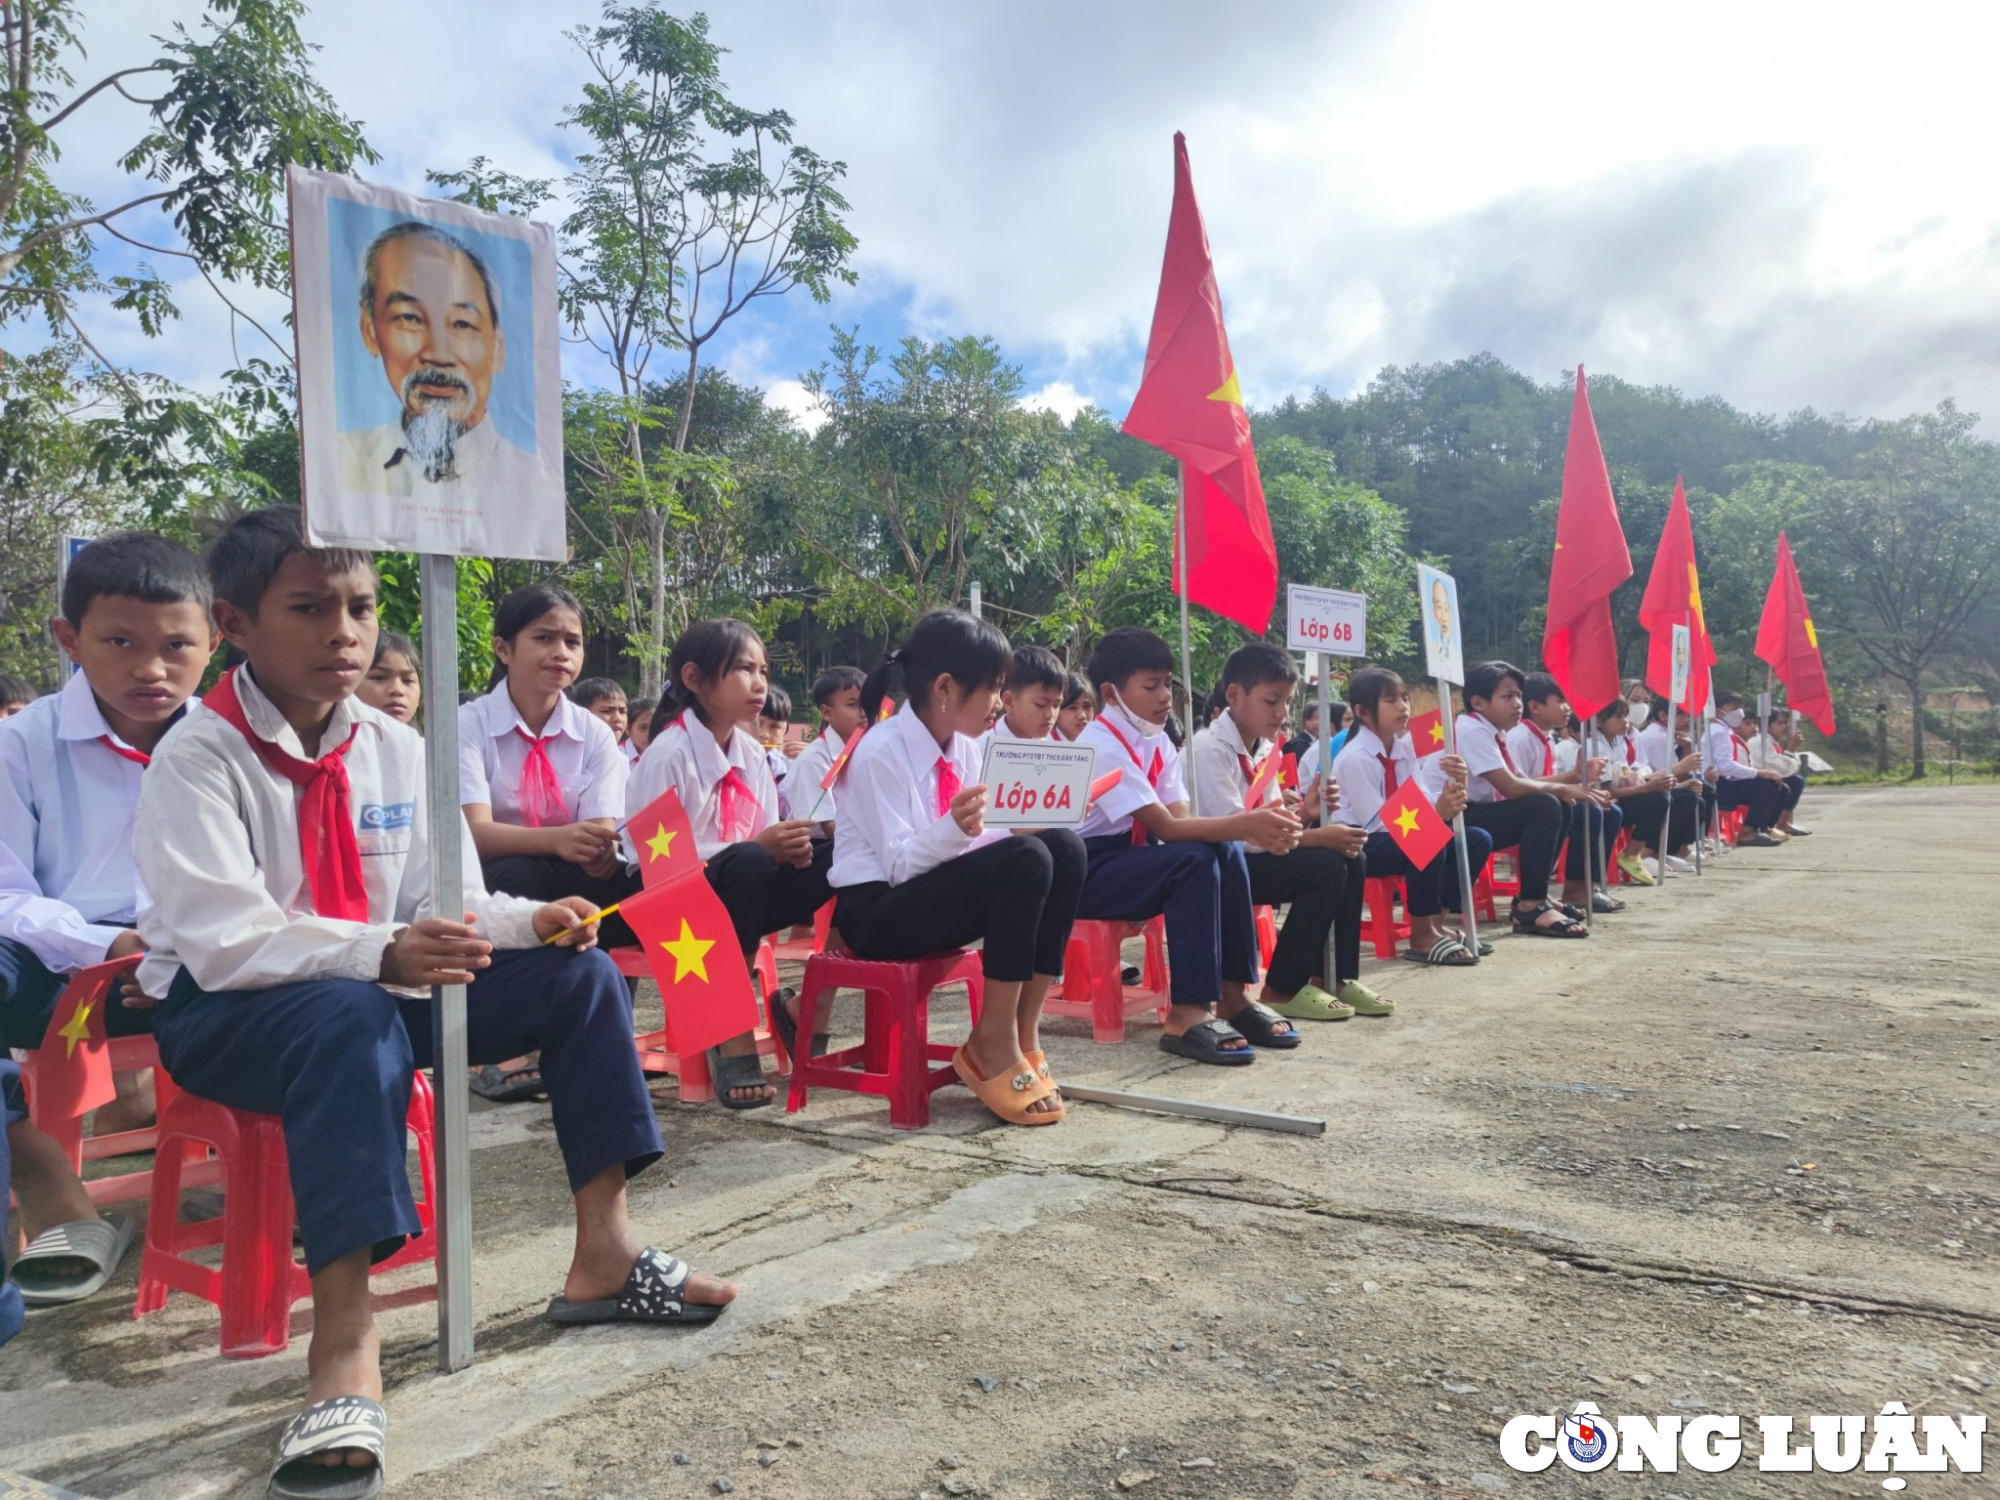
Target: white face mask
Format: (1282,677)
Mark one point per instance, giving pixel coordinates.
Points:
(1733,717)
(1144,728)
(1639,714)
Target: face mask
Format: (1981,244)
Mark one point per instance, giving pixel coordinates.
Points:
(1145,728)
(1733,717)
(1639,714)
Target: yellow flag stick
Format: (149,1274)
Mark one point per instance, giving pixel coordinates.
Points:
(596,916)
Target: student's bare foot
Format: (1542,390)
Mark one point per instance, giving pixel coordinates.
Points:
(600,1273)
(988,1063)
(133,1109)
(336,1367)
(745,1046)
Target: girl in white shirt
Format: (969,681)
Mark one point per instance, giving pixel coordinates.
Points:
(393,686)
(917,870)
(1078,708)
(768,872)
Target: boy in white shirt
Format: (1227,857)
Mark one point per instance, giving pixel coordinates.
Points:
(135,621)
(1149,857)
(1032,700)
(1660,755)
(1761,793)
(837,695)
(1322,880)
(281,833)
(1776,748)
(1591,828)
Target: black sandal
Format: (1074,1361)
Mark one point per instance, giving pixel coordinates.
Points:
(1525,922)
(788,1027)
(1446,953)
(1203,1042)
(728,1073)
(509,1085)
(343,1422)
(1263,1027)
(651,1294)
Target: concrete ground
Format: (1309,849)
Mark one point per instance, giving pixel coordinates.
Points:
(1735,1153)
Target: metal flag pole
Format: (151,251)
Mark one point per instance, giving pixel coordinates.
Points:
(1583,781)
(1187,651)
(1665,845)
(448,1074)
(1700,781)
(1469,913)
(1320,665)
(1764,719)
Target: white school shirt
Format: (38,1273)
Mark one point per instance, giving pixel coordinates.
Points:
(1568,753)
(1534,752)
(685,756)
(1727,754)
(217,846)
(1112,812)
(493,749)
(67,882)
(810,769)
(1478,745)
(1776,759)
(1656,750)
(1363,782)
(890,828)
(1220,782)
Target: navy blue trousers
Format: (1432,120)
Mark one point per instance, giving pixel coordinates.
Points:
(1605,823)
(12,1107)
(1764,799)
(28,995)
(1428,891)
(1795,788)
(1204,892)
(333,1059)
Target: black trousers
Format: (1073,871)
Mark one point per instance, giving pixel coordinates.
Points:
(1591,831)
(1761,799)
(1645,815)
(1325,889)
(1795,788)
(1535,823)
(763,896)
(550,877)
(1018,894)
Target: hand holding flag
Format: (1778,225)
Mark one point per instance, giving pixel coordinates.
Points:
(1413,821)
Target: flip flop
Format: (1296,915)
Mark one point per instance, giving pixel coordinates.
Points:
(1312,1003)
(1039,1061)
(1264,1027)
(1603,904)
(71,1261)
(509,1085)
(1203,1042)
(1440,954)
(1009,1094)
(651,1294)
(1485,948)
(746,1072)
(1565,927)
(1364,1001)
(788,1027)
(343,1422)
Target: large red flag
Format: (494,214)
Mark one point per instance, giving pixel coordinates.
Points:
(1673,597)
(1190,405)
(1786,639)
(1578,646)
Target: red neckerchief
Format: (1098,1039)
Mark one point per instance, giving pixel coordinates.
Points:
(1631,752)
(1500,740)
(541,797)
(1548,747)
(948,785)
(1152,776)
(125,752)
(327,845)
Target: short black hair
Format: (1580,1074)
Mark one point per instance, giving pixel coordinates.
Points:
(1367,688)
(1076,689)
(246,557)
(1725,698)
(132,565)
(1035,666)
(1617,708)
(1123,653)
(943,643)
(389,641)
(1311,710)
(1539,688)
(1484,680)
(709,646)
(1254,665)
(833,681)
(594,690)
(14,690)
(637,708)
(777,704)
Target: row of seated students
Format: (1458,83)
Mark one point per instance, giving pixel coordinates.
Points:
(266,852)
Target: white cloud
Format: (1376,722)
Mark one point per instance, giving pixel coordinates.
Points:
(1060,397)
(790,396)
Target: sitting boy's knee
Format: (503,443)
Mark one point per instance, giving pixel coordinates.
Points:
(1023,861)
(360,1018)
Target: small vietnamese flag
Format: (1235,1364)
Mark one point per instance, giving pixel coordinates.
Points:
(82,1082)
(1413,821)
(1427,733)
(1102,785)
(1267,772)
(839,766)
(690,945)
(663,839)
(1288,773)
(1786,639)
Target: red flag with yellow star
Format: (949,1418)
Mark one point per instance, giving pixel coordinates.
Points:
(1413,821)
(1786,639)
(76,1038)
(1673,597)
(690,945)
(1427,733)
(1190,405)
(663,840)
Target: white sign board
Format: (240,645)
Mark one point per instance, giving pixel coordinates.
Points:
(1678,692)
(1326,620)
(1037,783)
(430,381)
(1437,609)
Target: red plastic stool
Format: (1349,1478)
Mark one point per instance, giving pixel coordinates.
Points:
(258,1281)
(53,1074)
(894,1059)
(1482,897)
(658,1054)
(801,948)
(1613,875)
(1383,894)
(1093,983)
(1267,934)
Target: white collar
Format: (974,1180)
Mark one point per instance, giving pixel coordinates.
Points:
(919,744)
(274,728)
(711,761)
(78,714)
(1235,738)
(1388,748)
(505,717)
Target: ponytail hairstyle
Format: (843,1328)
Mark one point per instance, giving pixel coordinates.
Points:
(1367,688)
(711,648)
(521,609)
(944,643)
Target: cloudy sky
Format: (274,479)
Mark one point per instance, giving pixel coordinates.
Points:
(1781,205)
